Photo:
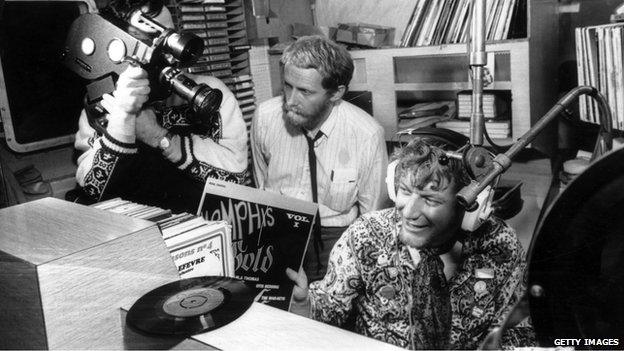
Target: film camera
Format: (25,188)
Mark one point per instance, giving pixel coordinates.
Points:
(99,48)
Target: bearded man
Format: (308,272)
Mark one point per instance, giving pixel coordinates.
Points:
(310,144)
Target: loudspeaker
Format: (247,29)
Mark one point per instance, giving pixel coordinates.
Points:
(453,140)
(66,269)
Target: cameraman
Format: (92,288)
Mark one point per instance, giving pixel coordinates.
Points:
(149,153)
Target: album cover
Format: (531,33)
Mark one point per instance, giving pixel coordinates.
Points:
(269,233)
(202,250)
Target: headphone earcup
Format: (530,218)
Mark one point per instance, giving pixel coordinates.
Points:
(390,172)
(472,220)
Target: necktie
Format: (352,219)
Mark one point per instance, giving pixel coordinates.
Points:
(432,304)
(312,163)
(318,243)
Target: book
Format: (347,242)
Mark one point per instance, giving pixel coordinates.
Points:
(270,232)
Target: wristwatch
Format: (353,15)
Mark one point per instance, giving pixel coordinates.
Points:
(165,142)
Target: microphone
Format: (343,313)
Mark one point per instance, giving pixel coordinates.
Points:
(501,162)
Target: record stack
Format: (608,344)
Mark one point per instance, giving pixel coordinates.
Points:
(464,105)
(435,22)
(132,209)
(241,82)
(198,247)
(495,113)
(221,23)
(207,20)
(495,129)
(600,63)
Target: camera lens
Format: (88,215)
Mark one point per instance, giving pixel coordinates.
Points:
(187,48)
(203,99)
(207,100)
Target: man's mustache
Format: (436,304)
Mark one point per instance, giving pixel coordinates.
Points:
(292,109)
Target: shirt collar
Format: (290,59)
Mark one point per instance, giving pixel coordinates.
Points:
(331,121)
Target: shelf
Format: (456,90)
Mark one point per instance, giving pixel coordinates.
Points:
(447,86)
(434,73)
(436,50)
(524,69)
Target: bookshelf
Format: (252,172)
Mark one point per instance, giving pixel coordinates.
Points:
(524,68)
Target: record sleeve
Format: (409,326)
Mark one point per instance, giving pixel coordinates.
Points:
(269,233)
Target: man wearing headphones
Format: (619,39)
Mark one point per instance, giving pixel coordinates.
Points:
(149,152)
(385,273)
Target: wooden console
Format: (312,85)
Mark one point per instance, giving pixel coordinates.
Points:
(65,270)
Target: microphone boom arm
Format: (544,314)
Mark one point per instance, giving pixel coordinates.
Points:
(468,195)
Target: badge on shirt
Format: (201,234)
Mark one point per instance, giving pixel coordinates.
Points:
(393,272)
(387,292)
(480,288)
(477,312)
(484,273)
(382,260)
(344,175)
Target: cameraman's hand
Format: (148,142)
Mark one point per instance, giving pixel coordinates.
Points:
(147,128)
(132,89)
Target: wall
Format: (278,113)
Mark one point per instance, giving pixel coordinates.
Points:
(277,27)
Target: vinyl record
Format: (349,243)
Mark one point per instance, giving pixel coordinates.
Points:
(191,306)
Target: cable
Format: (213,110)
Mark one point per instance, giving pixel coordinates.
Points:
(498,148)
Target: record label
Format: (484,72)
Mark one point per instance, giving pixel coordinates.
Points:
(193,302)
(191,306)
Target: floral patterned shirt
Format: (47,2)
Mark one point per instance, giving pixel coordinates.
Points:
(375,279)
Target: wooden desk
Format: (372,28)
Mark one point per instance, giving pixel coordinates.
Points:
(262,327)
(266,328)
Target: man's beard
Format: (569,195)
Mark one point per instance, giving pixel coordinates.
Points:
(300,119)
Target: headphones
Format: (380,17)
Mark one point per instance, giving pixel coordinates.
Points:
(471,220)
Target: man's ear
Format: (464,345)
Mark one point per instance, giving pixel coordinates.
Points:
(337,95)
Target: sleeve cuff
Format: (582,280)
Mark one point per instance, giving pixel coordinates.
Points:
(186,154)
(109,142)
